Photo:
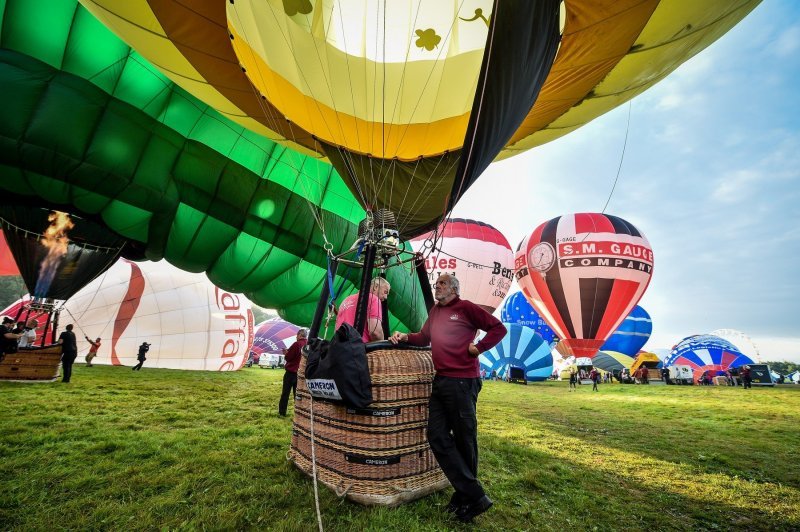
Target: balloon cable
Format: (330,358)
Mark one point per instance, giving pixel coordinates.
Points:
(621,158)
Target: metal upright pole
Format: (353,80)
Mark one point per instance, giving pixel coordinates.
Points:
(363,292)
(424,282)
(322,304)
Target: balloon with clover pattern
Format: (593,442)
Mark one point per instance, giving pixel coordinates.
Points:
(211,134)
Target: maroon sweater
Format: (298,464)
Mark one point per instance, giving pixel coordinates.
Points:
(292,359)
(449,331)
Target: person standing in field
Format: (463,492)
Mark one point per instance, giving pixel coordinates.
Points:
(594,375)
(450,330)
(69,351)
(143,349)
(291,363)
(92,350)
(573,379)
(747,379)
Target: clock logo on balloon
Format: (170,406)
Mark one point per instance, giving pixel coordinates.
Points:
(542,257)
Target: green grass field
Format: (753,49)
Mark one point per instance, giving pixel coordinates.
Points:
(164,449)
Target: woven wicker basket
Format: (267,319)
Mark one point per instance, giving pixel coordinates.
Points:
(379,455)
(35,364)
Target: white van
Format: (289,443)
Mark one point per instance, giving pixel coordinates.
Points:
(271,360)
(681,374)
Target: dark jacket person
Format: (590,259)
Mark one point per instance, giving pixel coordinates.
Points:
(69,351)
(452,422)
(291,363)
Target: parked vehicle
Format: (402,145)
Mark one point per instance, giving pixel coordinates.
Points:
(271,360)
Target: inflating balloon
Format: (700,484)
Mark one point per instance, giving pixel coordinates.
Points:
(706,352)
(273,336)
(189,322)
(522,348)
(517,309)
(476,253)
(610,361)
(584,273)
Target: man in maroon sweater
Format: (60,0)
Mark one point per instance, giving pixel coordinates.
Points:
(291,363)
(450,330)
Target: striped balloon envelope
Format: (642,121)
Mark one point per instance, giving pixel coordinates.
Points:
(704,352)
(584,273)
(522,348)
(631,335)
(516,309)
(273,336)
(611,361)
(476,253)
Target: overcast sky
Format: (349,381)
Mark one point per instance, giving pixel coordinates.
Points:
(711,175)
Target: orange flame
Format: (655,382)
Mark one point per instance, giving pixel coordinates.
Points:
(56,241)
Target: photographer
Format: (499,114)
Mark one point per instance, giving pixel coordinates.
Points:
(144,348)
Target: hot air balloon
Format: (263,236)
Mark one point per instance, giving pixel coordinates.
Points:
(631,335)
(611,361)
(151,148)
(706,352)
(522,348)
(584,273)
(273,336)
(516,309)
(475,252)
(189,322)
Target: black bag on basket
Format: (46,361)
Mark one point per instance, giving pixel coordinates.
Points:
(337,370)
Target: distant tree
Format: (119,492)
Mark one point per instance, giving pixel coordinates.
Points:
(784,367)
(12,288)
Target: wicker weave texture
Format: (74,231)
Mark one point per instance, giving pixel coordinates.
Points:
(378,455)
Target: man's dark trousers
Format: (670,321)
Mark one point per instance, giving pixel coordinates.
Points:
(67,360)
(289,385)
(453,433)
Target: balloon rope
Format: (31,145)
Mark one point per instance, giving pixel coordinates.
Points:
(314,467)
(621,157)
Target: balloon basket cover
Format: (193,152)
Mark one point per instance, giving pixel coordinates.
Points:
(38,364)
(379,455)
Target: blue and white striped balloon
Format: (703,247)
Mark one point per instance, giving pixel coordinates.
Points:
(523,348)
(632,333)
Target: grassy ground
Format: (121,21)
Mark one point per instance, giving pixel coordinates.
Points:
(164,449)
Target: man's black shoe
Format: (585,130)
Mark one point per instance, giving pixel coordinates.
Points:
(470,511)
(454,505)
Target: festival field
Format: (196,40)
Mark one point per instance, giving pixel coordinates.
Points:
(167,449)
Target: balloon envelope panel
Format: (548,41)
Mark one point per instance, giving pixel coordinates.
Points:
(517,309)
(477,254)
(584,273)
(707,352)
(522,347)
(610,361)
(273,336)
(189,322)
(632,334)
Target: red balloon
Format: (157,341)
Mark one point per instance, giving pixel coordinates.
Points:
(584,273)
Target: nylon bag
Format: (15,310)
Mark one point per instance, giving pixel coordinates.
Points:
(338,371)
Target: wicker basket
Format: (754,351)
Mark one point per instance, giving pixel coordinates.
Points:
(35,364)
(379,455)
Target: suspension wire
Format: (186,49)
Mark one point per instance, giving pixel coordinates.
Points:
(621,157)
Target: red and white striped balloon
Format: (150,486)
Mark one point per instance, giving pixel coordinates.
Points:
(477,254)
(584,273)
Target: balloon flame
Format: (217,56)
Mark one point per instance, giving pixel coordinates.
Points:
(56,241)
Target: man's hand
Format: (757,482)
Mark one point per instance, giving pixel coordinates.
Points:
(398,337)
(473,351)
